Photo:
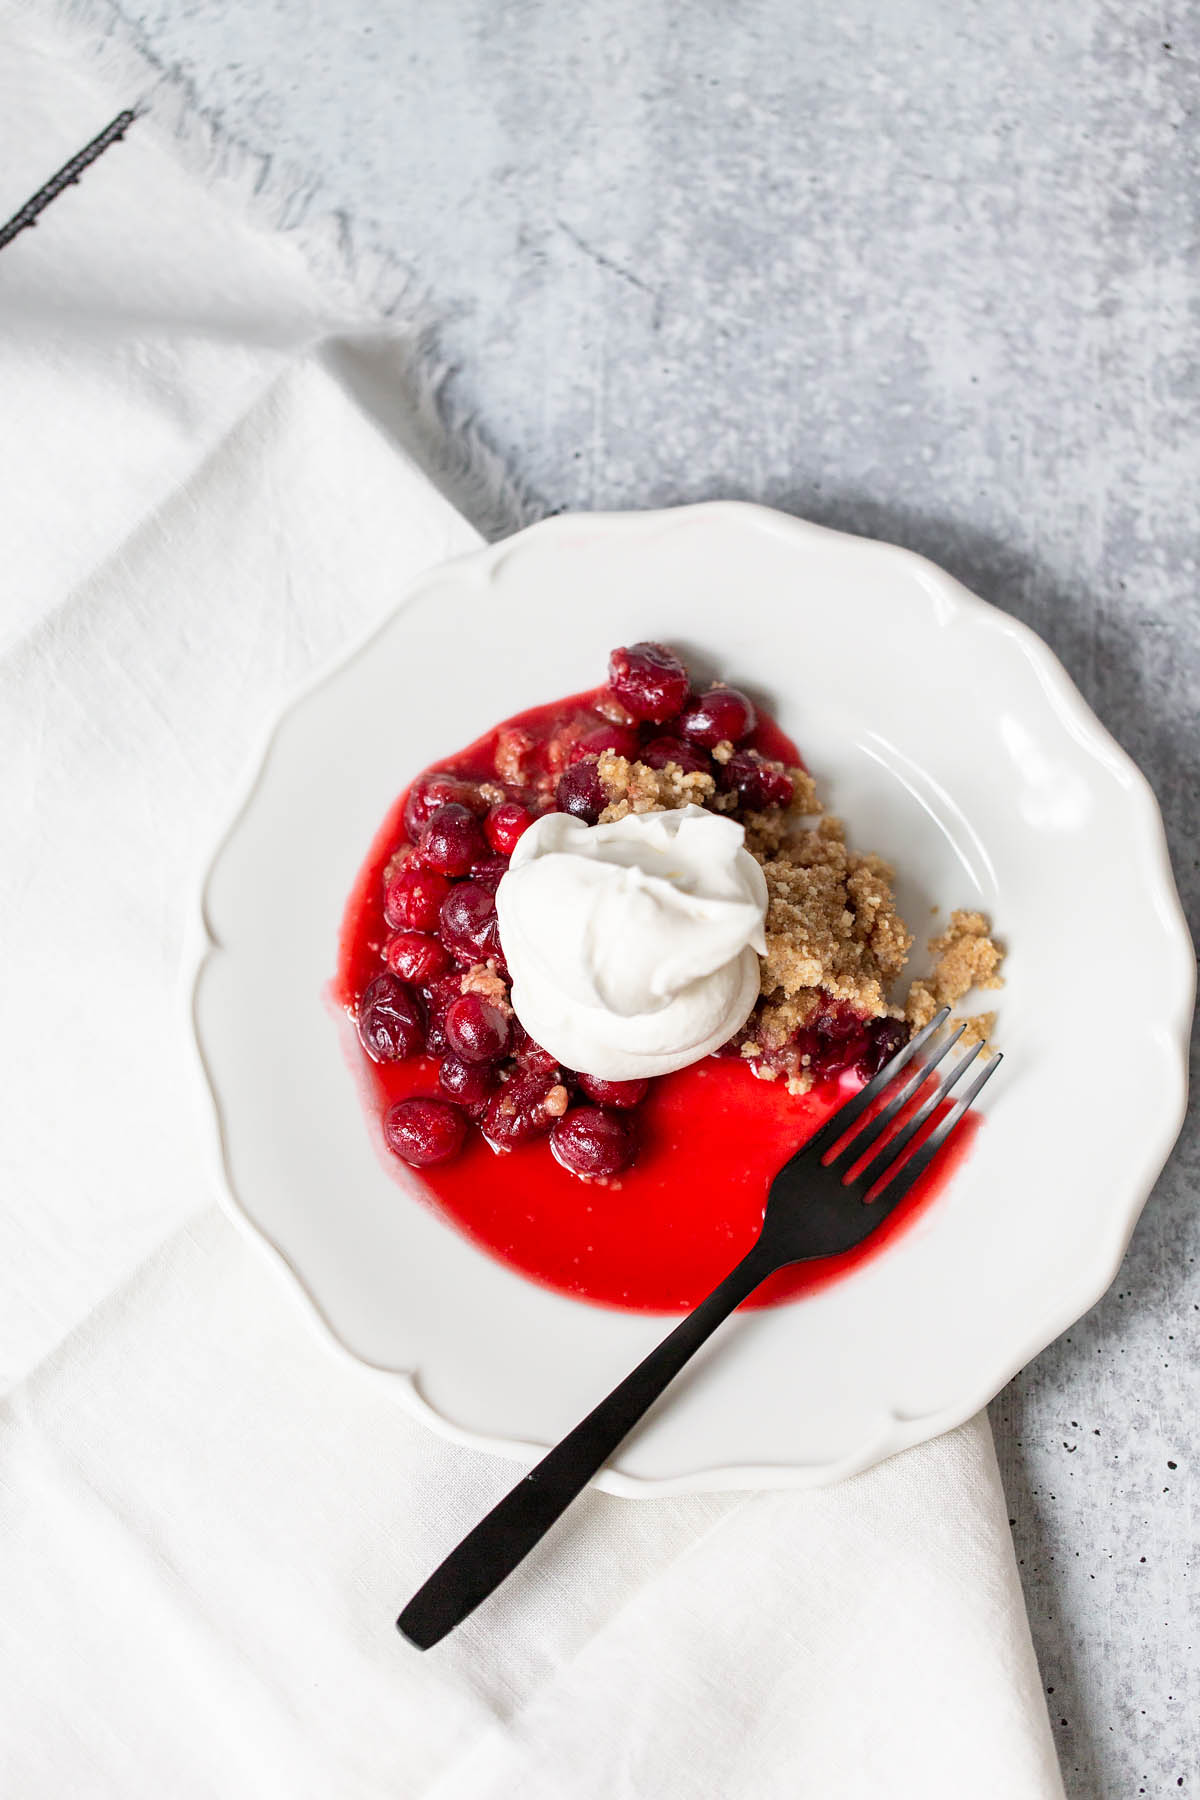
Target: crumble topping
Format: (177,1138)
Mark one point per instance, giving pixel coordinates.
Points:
(482,978)
(832,924)
(637,788)
(767,832)
(967,957)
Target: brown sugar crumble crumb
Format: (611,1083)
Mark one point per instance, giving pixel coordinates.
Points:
(967,957)
(514,748)
(831,921)
(637,788)
(483,978)
(834,937)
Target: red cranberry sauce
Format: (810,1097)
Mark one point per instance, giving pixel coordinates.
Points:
(638,1195)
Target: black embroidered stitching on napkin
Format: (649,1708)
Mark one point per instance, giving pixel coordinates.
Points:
(66,177)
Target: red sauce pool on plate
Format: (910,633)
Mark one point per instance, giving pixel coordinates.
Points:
(659,1237)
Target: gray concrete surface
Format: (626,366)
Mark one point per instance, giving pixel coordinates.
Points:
(920,270)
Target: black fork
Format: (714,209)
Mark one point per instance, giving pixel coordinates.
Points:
(825,1200)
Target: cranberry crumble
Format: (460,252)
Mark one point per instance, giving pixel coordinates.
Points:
(425,978)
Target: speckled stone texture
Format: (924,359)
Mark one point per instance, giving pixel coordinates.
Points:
(923,271)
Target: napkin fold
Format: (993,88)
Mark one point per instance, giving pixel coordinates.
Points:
(218,473)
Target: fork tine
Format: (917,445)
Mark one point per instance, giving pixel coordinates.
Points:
(846,1115)
(887,1154)
(858,1146)
(916,1166)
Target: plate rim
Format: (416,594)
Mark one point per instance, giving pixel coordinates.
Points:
(1104,1254)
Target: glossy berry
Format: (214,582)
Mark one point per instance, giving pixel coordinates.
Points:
(495,957)
(836,1055)
(415,956)
(530,1054)
(477,1031)
(827,1057)
(442,992)
(591,1140)
(413,898)
(580,792)
(505,824)
(452,840)
(663,750)
(614,1093)
(523,1109)
(467,922)
(439,996)
(884,1038)
(469,1085)
(490,872)
(424,1132)
(391,1021)
(622,740)
(723,714)
(836,1019)
(759,784)
(649,680)
(429,792)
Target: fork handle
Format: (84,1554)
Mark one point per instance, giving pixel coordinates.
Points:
(509,1532)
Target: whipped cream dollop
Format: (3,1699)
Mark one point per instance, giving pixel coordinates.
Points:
(633,947)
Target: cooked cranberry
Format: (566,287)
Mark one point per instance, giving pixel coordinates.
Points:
(649,680)
(836,1055)
(505,824)
(495,956)
(524,1108)
(884,1038)
(663,750)
(470,1084)
(512,756)
(391,1023)
(580,791)
(412,899)
(423,1132)
(452,840)
(722,715)
(415,956)
(439,996)
(591,1140)
(825,1057)
(530,1055)
(622,740)
(758,783)
(477,1030)
(442,992)
(836,1018)
(467,922)
(429,792)
(490,872)
(613,1093)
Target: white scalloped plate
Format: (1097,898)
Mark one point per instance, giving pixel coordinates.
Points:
(952,741)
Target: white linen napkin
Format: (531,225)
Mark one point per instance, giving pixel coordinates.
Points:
(207,1522)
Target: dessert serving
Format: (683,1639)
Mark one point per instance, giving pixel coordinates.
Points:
(466,1279)
(608,966)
